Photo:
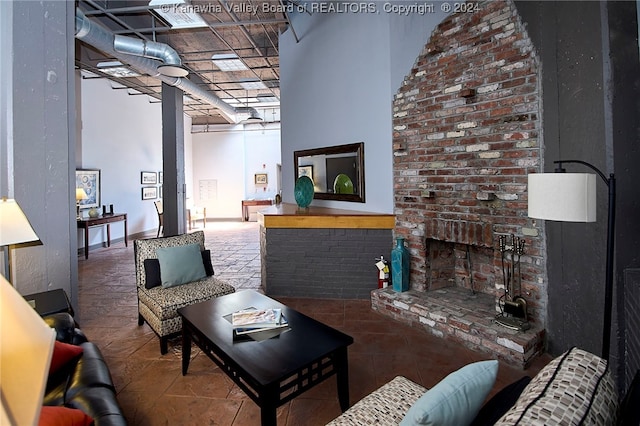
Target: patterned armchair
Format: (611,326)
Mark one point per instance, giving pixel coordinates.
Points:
(158,305)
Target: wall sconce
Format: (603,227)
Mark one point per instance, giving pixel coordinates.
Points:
(14,229)
(571,197)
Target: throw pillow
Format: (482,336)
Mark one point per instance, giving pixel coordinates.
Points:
(152,269)
(62,354)
(574,388)
(63,416)
(206,261)
(456,399)
(180,265)
(500,403)
(152,273)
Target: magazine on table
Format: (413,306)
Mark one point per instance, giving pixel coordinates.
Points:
(256,318)
(257,324)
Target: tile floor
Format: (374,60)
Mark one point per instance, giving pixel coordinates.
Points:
(152,390)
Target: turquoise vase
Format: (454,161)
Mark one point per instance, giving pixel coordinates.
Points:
(400,266)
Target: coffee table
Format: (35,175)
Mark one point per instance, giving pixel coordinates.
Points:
(273,371)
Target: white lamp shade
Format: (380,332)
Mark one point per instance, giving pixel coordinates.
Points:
(26,345)
(81,194)
(566,197)
(14,225)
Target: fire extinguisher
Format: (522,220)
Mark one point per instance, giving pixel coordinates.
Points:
(383,272)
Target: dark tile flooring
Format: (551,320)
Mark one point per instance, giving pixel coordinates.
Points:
(152,390)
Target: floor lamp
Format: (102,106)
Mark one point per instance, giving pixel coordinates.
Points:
(571,197)
(14,229)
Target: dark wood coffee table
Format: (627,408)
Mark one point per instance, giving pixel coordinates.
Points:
(274,371)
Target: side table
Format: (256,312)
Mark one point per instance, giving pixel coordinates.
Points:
(50,302)
(87,222)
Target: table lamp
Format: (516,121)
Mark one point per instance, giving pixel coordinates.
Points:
(80,195)
(571,197)
(26,346)
(14,229)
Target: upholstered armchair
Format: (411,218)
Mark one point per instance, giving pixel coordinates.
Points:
(173,272)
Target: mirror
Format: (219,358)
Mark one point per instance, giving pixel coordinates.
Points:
(337,171)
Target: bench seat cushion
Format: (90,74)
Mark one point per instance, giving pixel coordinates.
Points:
(385,406)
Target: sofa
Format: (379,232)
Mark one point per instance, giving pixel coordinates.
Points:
(574,388)
(79,378)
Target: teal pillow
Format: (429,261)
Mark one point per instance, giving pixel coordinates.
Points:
(456,399)
(180,265)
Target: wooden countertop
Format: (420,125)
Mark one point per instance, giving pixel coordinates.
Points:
(291,216)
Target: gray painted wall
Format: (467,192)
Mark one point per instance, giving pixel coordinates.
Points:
(38,140)
(337,86)
(591,87)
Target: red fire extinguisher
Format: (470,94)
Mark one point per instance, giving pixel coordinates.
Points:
(383,272)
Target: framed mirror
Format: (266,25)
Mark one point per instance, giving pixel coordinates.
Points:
(337,171)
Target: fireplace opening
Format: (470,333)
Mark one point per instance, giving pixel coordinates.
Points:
(467,266)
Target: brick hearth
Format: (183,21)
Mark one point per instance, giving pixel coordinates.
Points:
(457,314)
(466,123)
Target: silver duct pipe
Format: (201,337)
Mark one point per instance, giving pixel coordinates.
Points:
(172,66)
(104,40)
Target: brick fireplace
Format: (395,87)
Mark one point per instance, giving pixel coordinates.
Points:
(466,125)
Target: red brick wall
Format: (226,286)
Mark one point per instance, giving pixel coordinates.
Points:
(466,125)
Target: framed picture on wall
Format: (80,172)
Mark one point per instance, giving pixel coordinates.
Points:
(149,192)
(148,178)
(89,181)
(261,178)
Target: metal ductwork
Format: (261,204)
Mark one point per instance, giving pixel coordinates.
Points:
(139,53)
(171,63)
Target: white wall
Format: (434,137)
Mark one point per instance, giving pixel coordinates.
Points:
(226,160)
(337,86)
(122,136)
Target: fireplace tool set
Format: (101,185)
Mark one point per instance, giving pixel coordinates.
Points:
(513,307)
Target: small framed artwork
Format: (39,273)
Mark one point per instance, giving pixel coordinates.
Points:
(305,171)
(160,191)
(261,178)
(149,192)
(89,180)
(160,177)
(148,178)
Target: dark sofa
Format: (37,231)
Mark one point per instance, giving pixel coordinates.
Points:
(84,383)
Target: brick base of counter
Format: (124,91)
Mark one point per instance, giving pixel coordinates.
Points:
(469,319)
(322,263)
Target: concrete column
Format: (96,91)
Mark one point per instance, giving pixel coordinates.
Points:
(173,187)
(39,140)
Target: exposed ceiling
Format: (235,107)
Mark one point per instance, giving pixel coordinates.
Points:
(248,29)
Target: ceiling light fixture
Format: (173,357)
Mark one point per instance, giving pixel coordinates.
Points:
(178,13)
(116,69)
(267,98)
(252,84)
(228,62)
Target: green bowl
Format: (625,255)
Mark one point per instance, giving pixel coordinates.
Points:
(342,184)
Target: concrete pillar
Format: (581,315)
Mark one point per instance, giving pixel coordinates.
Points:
(173,187)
